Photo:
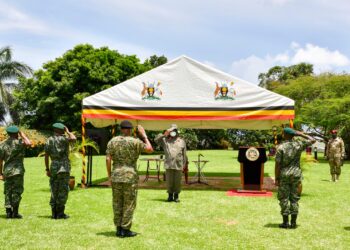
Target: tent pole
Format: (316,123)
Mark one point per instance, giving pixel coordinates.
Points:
(83,177)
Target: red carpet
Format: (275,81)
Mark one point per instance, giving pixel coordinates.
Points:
(234,192)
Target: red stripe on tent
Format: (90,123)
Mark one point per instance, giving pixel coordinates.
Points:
(190,118)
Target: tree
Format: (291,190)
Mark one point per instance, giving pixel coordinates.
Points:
(279,75)
(56,91)
(9,70)
(155,61)
(322,103)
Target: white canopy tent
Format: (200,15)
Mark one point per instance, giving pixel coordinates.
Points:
(190,94)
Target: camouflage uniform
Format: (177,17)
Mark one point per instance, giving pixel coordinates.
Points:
(335,154)
(57,147)
(288,156)
(12,151)
(124,151)
(175,160)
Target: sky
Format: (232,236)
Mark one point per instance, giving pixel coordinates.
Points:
(241,37)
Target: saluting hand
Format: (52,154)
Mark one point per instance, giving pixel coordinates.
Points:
(2,177)
(141,130)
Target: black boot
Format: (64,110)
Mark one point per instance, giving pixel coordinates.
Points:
(54,213)
(15,213)
(61,214)
(127,233)
(176,197)
(293,222)
(285,223)
(119,231)
(170,197)
(8,213)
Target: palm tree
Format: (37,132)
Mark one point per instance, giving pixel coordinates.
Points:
(10,69)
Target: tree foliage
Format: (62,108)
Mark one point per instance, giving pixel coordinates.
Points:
(280,75)
(55,92)
(322,103)
(9,70)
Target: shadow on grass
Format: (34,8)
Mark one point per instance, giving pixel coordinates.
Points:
(3,216)
(160,200)
(347,228)
(107,234)
(44,216)
(272,225)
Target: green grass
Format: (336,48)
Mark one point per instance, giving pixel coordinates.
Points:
(202,220)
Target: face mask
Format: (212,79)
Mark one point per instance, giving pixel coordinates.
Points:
(173,133)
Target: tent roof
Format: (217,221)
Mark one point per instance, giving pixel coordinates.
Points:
(190,94)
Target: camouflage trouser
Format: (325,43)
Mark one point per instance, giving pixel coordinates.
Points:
(173,180)
(59,185)
(335,165)
(289,194)
(13,189)
(124,203)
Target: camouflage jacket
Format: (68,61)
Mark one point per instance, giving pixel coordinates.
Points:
(335,148)
(288,156)
(57,147)
(125,150)
(174,151)
(12,151)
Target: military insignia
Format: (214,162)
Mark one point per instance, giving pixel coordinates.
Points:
(252,154)
(224,91)
(151,91)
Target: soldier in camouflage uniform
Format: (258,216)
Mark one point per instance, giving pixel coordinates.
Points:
(124,151)
(175,160)
(12,151)
(57,149)
(288,174)
(335,155)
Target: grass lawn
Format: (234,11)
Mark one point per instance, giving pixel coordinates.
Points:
(202,220)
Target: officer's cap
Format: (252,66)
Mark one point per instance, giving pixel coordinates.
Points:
(58,125)
(334,131)
(126,124)
(173,127)
(12,129)
(289,131)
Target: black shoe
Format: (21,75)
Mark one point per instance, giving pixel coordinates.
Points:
(54,213)
(8,213)
(61,214)
(170,197)
(15,213)
(285,223)
(119,231)
(176,197)
(293,222)
(127,233)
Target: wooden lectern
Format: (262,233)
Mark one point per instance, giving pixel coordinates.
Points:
(252,161)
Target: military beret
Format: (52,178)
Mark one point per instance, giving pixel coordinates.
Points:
(173,127)
(289,131)
(58,125)
(334,131)
(125,124)
(12,129)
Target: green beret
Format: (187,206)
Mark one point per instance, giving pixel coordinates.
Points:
(289,131)
(12,129)
(58,125)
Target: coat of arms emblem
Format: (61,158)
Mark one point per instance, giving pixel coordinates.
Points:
(151,91)
(252,154)
(224,91)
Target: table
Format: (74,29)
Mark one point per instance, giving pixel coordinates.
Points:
(200,165)
(158,162)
